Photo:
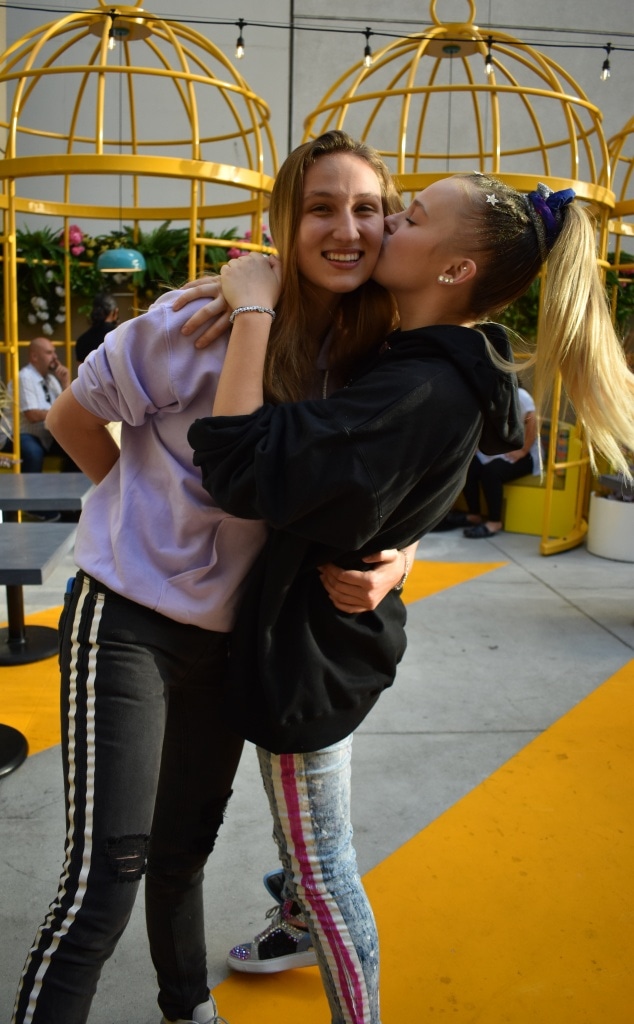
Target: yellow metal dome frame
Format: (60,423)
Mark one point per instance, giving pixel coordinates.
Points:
(219,159)
(505,109)
(621,225)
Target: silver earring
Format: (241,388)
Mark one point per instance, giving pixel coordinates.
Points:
(444,279)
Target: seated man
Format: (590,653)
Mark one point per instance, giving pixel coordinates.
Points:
(41,381)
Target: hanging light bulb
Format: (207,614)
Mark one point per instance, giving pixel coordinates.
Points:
(367,53)
(488,60)
(240,41)
(112,42)
(605,70)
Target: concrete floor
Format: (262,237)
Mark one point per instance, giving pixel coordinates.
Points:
(491,664)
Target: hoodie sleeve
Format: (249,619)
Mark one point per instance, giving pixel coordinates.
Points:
(333,471)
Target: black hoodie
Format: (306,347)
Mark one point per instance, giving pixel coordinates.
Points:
(374,466)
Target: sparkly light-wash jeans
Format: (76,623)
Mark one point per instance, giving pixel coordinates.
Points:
(309,796)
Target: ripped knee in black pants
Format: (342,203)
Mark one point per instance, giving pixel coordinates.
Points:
(128,856)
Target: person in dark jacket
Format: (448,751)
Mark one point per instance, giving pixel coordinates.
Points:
(104,316)
(379,463)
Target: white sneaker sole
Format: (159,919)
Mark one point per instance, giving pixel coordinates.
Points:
(276,964)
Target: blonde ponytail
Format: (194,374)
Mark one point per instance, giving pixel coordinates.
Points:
(578,339)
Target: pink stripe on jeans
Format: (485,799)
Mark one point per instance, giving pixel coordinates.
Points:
(349,983)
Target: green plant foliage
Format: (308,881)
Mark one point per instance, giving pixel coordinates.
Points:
(522,315)
(621,290)
(41,297)
(40,269)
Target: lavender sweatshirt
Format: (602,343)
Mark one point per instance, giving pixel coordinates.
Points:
(149,531)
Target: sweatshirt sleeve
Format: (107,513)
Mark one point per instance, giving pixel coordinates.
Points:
(146,366)
(329,471)
(291,467)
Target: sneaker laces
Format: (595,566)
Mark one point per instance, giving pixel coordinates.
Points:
(278,918)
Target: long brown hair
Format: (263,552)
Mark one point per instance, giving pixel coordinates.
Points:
(365,316)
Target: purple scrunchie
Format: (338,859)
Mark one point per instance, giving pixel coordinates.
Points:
(547,203)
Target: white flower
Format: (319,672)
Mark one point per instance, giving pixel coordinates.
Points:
(60,291)
(43,314)
(49,275)
(60,318)
(62,309)
(38,302)
(32,318)
(47,329)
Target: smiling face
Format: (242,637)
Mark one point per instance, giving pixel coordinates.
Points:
(341,227)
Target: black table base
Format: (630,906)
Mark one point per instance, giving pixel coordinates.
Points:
(13,749)
(37,643)
(21,644)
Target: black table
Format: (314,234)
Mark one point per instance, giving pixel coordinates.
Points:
(40,492)
(28,554)
(33,492)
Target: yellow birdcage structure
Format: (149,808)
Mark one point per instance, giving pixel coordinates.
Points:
(80,143)
(621,228)
(453,98)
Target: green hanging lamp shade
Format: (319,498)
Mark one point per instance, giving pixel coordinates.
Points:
(120,261)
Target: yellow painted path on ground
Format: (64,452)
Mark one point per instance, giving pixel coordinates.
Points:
(513,907)
(427,578)
(29,694)
(516,905)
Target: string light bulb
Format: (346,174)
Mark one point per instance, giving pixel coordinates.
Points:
(367,53)
(605,70)
(240,40)
(488,60)
(112,42)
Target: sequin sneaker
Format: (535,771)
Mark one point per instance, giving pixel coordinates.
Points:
(204,1013)
(280,947)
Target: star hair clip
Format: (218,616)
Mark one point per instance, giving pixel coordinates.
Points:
(492,198)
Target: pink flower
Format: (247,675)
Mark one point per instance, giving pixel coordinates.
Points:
(233,254)
(75,240)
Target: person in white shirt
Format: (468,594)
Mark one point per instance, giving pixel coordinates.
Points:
(41,381)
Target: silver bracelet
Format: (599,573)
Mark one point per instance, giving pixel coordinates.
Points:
(401,583)
(252,309)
